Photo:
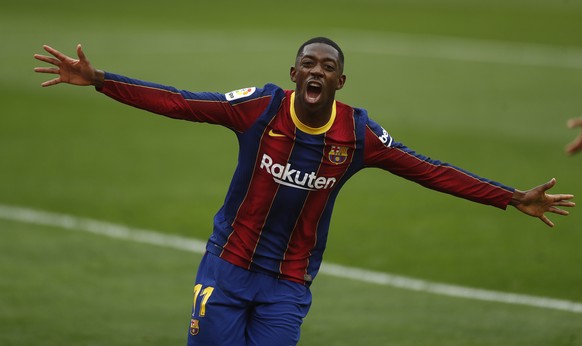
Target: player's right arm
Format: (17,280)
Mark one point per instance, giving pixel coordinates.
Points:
(237,113)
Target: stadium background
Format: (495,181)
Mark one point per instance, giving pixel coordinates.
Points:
(485,85)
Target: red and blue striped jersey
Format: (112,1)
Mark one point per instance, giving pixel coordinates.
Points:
(276,214)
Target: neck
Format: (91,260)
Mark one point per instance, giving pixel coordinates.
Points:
(314,119)
(310,119)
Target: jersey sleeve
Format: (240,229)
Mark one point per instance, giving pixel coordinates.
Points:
(382,151)
(236,110)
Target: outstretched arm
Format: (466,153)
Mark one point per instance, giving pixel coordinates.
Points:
(536,202)
(72,71)
(576,145)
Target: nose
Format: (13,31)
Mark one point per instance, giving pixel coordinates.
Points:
(317,70)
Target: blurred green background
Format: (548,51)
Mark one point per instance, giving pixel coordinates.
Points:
(485,85)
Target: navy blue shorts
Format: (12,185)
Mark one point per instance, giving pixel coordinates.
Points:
(234,306)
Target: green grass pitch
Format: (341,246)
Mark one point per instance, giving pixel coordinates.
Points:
(485,85)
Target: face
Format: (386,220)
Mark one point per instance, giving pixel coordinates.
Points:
(318,74)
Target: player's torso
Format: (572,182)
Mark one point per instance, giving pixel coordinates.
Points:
(283,217)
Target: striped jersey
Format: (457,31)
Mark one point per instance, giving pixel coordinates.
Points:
(276,214)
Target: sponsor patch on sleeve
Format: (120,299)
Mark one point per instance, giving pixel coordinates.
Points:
(240,93)
(382,134)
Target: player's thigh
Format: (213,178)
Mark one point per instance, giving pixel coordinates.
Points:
(278,322)
(275,324)
(219,315)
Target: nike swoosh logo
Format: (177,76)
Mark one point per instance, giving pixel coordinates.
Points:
(275,134)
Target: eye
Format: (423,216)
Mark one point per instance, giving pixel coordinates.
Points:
(329,67)
(307,63)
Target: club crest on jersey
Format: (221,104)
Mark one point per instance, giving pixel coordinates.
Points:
(240,93)
(194,327)
(338,154)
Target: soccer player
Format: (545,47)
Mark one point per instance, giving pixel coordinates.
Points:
(297,148)
(576,145)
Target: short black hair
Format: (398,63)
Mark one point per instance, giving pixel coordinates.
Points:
(323,40)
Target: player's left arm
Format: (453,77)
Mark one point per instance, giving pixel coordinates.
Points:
(382,151)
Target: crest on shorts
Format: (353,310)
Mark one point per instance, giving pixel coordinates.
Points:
(338,154)
(194,327)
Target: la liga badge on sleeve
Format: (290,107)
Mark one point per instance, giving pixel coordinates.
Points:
(240,93)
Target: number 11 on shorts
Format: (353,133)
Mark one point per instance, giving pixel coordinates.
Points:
(205,295)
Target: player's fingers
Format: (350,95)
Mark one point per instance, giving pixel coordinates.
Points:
(51,82)
(575,146)
(558,211)
(80,52)
(546,221)
(48,59)
(55,52)
(549,184)
(53,70)
(564,204)
(561,197)
(574,122)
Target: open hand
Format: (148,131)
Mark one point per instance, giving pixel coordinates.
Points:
(536,202)
(72,71)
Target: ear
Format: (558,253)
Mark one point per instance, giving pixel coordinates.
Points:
(341,82)
(292,73)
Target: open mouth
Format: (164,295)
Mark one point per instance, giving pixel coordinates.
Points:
(313,91)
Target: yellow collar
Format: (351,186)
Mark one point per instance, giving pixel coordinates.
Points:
(309,129)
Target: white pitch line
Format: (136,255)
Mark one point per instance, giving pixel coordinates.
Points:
(112,230)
